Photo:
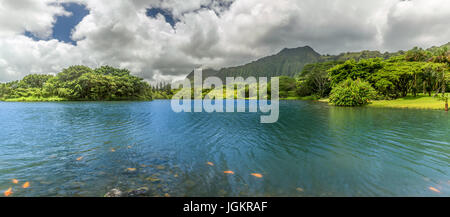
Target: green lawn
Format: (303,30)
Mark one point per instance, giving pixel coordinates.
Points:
(35,99)
(300,98)
(419,102)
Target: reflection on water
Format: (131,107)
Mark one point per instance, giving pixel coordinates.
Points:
(87,149)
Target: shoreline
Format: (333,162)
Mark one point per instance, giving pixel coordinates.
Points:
(420,102)
(409,102)
(68,100)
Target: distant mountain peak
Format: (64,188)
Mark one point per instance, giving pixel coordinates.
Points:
(297,49)
(290,61)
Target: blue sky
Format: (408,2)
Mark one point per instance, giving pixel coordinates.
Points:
(153,12)
(62,30)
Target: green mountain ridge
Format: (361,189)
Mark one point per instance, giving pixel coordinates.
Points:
(291,61)
(288,61)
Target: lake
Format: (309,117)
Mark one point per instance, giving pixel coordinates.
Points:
(89,148)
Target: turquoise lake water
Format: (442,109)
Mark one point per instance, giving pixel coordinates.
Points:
(313,150)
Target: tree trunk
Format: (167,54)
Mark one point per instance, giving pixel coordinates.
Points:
(405,93)
(415,85)
(424,87)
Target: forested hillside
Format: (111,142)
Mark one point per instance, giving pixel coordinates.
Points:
(78,83)
(422,67)
(351,78)
(302,71)
(288,62)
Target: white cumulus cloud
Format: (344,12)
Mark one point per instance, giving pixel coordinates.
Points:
(208,33)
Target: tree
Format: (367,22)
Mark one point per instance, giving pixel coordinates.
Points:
(396,79)
(352,93)
(354,70)
(81,83)
(287,85)
(34,80)
(441,55)
(436,77)
(417,55)
(73,72)
(314,79)
(108,70)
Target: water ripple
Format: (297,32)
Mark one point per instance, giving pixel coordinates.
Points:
(323,150)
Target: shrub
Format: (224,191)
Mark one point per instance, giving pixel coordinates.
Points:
(303,89)
(352,93)
(287,83)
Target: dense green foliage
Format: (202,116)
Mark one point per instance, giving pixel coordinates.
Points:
(375,75)
(288,62)
(352,69)
(392,75)
(393,79)
(313,80)
(302,72)
(162,90)
(352,93)
(366,54)
(287,86)
(416,71)
(79,83)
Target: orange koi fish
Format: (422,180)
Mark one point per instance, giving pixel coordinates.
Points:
(80,158)
(210,163)
(131,169)
(434,189)
(8,192)
(228,172)
(15,181)
(26,185)
(257,175)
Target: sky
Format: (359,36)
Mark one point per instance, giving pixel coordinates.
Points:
(167,39)
(63,25)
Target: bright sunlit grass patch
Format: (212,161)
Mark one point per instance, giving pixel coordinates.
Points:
(304,98)
(36,99)
(418,102)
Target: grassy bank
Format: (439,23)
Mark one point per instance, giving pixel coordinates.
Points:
(418,102)
(35,99)
(60,99)
(410,102)
(300,98)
